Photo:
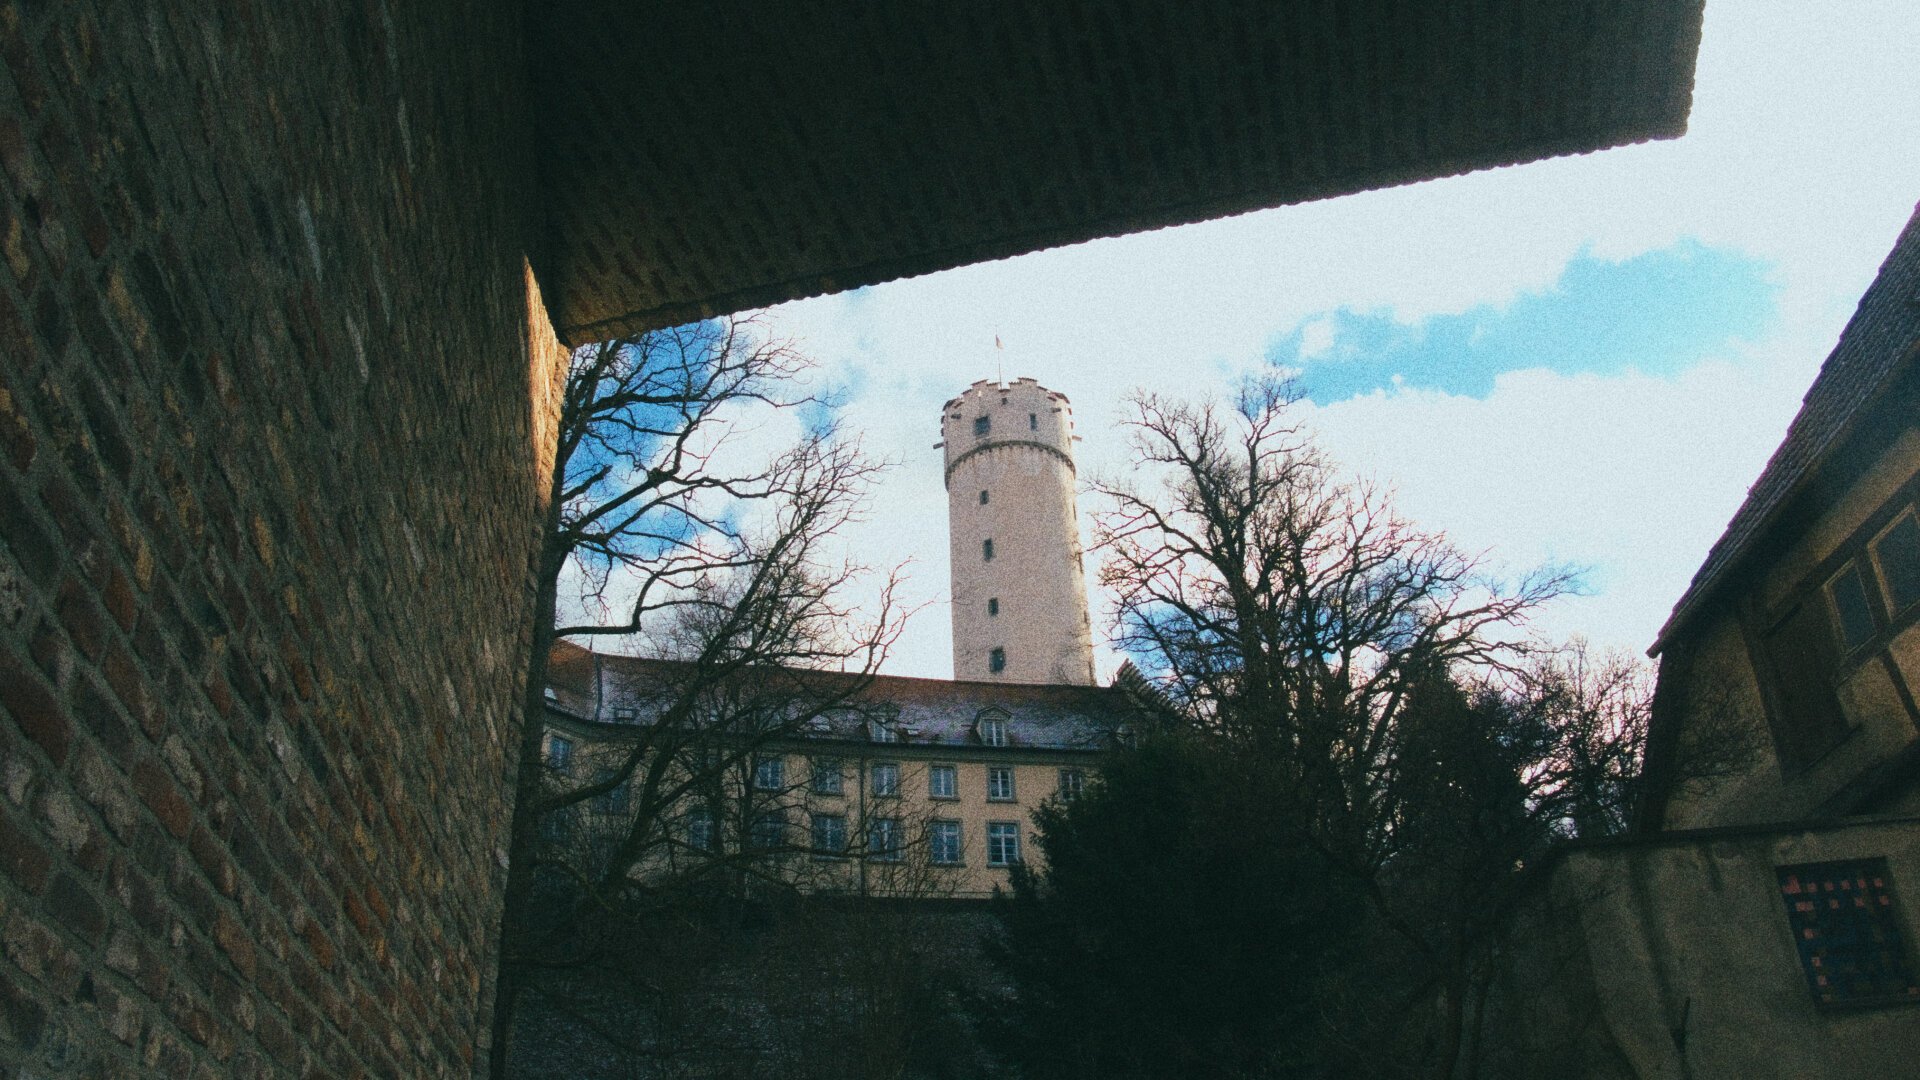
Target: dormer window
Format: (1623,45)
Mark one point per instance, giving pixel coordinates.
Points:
(993,731)
(881,731)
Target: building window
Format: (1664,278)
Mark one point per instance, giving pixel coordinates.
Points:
(997,661)
(700,832)
(557,825)
(943,782)
(826,776)
(1897,552)
(623,714)
(829,835)
(1847,932)
(559,752)
(986,550)
(1853,612)
(999,783)
(886,779)
(881,731)
(982,425)
(943,843)
(983,498)
(770,773)
(1801,662)
(993,729)
(883,839)
(1072,783)
(1003,843)
(769,830)
(614,799)
(993,605)
(1033,421)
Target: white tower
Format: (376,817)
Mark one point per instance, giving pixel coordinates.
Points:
(1019,593)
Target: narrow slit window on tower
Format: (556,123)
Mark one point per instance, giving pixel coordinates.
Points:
(982,425)
(1033,421)
(986,550)
(983,498)
(993,605)
(997,660)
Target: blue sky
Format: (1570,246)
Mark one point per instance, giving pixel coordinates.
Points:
(1656,313)
(1582,360)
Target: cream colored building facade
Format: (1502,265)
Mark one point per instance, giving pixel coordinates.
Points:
(919,788)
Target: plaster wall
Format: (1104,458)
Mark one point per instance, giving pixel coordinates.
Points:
(1874,687)
(1022,466)
(1036,779)
(1694,971)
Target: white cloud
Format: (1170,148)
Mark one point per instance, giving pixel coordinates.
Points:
(1316,337)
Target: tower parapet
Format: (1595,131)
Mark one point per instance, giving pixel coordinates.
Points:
(1019,590)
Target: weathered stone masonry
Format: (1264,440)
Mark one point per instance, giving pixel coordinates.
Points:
(266,478)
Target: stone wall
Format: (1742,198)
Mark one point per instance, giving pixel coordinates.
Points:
(1674,957)
(267,486)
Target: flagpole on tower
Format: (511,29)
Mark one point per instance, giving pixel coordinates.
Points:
(999,354)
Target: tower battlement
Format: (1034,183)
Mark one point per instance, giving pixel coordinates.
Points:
(1019,590)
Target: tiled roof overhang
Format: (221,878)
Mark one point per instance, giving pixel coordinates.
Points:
(697,159)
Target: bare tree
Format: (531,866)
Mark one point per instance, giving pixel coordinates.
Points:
(1290,610)
(1385,684)
(717,561)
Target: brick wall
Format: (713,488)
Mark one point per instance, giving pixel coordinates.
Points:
(266,492)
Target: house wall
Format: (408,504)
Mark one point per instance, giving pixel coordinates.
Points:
(1691,934)
(274,377)
(1875,687)
(1036,779)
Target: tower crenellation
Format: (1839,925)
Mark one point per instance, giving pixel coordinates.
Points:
(1019,590)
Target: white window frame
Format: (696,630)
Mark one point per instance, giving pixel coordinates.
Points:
(1003,843)
(936,788)
(770,773)
(823,769)
(934,845)
(758,830)
(995,774)
(890,790)
(1073,782)
(702,828)
(829,849)
(884,839)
